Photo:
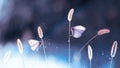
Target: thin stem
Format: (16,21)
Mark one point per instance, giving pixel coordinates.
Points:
(111,63)
(44,52)
(69,45)
(90,64)
(87,43)
(23,61)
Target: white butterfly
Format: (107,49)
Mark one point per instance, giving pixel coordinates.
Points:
(77,31)
(34,44)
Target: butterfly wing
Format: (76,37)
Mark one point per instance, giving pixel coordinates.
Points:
(77,31)
(33,44)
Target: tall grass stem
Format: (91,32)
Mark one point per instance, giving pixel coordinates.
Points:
(44,51)
(69,45)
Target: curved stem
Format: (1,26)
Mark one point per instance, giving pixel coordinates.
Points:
(69,45)
(44,52)
(87,43)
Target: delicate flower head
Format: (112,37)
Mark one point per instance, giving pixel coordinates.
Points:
(20,46)
(40,32)
(70,14)
(114,49)
(90,53)
(103,31)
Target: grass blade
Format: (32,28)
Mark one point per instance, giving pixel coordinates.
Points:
(40,33)
(70,14)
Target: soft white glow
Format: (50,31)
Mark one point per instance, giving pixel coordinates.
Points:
(31,61)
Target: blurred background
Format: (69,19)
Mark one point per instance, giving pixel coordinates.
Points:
(20,19)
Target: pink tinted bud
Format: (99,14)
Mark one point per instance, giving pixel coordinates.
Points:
(103,31)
